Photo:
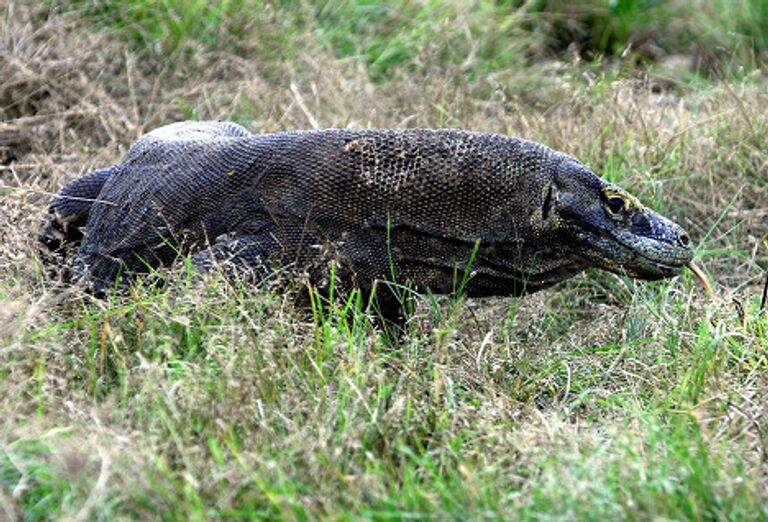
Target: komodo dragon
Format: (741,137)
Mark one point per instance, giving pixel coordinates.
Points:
(411,205)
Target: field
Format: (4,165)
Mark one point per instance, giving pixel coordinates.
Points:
(603,398)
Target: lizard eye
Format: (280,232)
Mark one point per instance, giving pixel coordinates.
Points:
(615,204)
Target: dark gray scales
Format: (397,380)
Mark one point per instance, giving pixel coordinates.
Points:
(412,205)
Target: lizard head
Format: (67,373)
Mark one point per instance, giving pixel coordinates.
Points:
(612,230)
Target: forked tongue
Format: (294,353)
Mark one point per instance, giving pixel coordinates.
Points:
(702,277)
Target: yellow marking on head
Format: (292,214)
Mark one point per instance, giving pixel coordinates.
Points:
(354,145)
(629,200)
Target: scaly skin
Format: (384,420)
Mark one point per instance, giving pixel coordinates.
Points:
(412,205)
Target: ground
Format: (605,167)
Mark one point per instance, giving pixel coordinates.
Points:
(600,399)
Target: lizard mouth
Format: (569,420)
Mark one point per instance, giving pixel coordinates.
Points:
(640,257)
(669,259)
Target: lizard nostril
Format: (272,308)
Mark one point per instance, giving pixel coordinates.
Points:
(684,239)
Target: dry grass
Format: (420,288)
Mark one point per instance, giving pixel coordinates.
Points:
(601,399)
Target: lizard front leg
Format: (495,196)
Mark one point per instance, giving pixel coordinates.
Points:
(250,258)
(69,211)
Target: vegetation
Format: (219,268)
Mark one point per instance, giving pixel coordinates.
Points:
(603,398)
(404,36)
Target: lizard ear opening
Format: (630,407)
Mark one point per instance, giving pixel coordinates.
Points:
(547,205)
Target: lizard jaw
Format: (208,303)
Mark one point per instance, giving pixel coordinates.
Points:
(635,256)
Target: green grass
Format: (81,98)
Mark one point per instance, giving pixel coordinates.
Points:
(479,38)
(601,399)
(224,404)
(168,27)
